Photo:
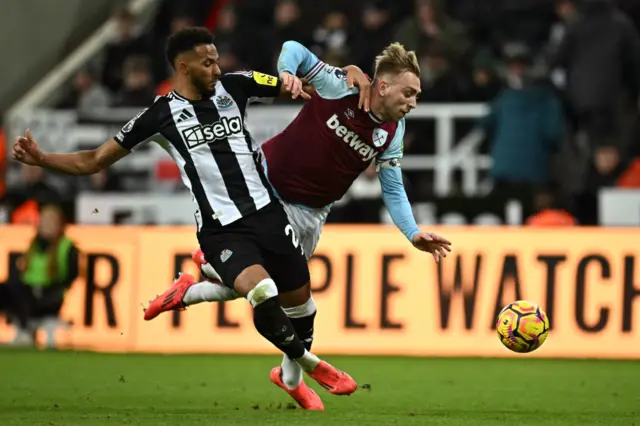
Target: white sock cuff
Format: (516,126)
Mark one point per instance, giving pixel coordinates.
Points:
(264,290)
(308,308)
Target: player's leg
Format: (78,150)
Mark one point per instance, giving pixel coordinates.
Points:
(208,291)
(299,305)
(301,310)
(286,263)
(297,300)
(289,375)
(185,291)
(273,324)
(255,284)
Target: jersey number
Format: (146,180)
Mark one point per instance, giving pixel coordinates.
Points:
(288,231)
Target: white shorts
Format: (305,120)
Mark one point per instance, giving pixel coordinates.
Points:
(307,223)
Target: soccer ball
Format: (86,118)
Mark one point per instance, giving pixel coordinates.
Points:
(522,326)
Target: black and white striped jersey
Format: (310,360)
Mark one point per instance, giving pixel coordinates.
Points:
(209,141)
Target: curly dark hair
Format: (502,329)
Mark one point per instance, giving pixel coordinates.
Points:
(186,39)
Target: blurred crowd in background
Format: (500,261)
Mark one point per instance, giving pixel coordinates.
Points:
(562,78)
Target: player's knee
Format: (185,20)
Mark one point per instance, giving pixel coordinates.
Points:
(263,291)
(307,309)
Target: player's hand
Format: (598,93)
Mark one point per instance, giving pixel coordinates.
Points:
(356,77)
(432,243)
(293,85)
(26,150)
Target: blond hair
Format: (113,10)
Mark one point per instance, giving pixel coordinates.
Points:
(395,59)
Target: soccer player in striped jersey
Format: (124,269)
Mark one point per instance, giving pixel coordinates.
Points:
(242,228)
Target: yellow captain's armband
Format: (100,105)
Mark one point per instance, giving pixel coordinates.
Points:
(264,79)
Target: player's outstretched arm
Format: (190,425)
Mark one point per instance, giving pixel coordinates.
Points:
(396,200)
(139,130)
(395,197)
(27,151)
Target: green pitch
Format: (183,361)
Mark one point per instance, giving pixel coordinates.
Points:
(70,388)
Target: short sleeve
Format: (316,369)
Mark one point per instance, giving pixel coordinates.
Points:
(256,87)
(140,129)
(396,147)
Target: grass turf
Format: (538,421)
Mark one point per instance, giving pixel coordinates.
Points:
(80,388)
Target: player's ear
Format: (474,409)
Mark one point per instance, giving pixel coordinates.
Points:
(182,63)
(182,67)
(382,87)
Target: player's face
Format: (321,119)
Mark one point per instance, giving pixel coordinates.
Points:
(203,69)
(401,95)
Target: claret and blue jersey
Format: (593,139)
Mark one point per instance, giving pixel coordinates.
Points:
(314,161)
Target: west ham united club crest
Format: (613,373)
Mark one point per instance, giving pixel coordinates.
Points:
(379,137)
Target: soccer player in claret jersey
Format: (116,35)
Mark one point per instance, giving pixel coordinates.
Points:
(312,163)
(241,226)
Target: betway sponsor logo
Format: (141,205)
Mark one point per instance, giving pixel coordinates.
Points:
(349,137)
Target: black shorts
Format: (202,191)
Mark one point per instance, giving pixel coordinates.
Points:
(263,238)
